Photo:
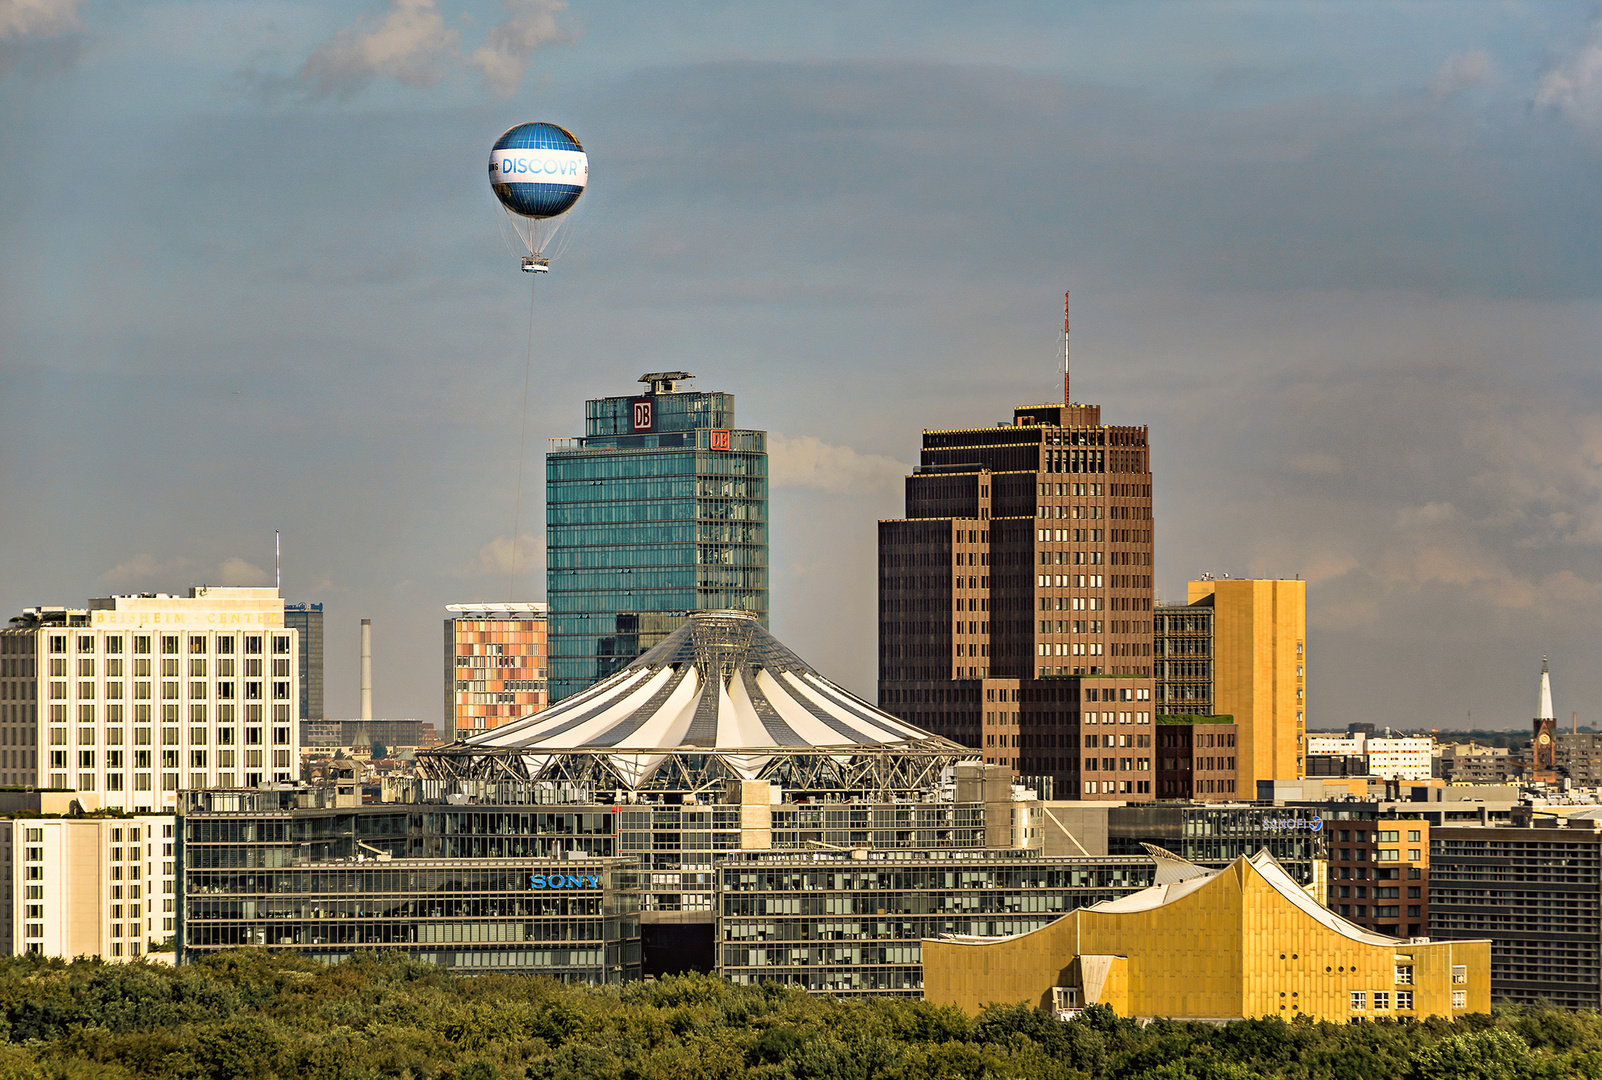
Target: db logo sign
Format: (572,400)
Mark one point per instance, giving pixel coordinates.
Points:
(642,415)
(720,440)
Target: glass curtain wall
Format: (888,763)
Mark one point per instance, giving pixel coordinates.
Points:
(642,529)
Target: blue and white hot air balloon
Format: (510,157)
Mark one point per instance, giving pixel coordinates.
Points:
(538,171)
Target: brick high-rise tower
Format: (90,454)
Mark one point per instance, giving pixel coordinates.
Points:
(1015,598)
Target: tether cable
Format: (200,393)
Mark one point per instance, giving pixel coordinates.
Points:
(522,439)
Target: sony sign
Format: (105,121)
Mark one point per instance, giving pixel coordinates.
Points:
(564,881)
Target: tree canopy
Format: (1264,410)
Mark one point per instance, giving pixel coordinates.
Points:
(256,1015)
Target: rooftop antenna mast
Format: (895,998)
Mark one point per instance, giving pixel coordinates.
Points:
(278,561)
(1067,397)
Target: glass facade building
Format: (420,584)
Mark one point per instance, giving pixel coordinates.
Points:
(847,923)
(461,887)
(1215,836)
(1183,646)
(308,619)
(660,509)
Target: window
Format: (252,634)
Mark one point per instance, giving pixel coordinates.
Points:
(1459,999)
(1404,975)
(1404,1000)
(1459,974)
(1412,836)
(1382,999)
(1359,1000)
(1412,854)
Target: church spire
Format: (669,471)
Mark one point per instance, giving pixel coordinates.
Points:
(1545,712)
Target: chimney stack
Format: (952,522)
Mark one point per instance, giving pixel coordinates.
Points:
(367,669)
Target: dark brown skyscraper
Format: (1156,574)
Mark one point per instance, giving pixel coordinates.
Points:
(1015,598)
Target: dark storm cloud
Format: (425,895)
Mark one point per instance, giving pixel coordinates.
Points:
(1409,192)
(1361,326)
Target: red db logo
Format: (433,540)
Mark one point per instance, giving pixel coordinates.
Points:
(720,440)
(642,415)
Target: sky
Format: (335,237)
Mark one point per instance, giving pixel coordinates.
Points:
(1345,260)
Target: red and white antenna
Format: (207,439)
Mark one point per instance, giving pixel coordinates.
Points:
(1067,398)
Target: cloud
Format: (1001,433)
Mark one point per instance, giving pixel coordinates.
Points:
(1315,464)
(45,34)
(237,571)
(497,557)
(807,462)
(504,56)
(143,567)
(1462,70)
(1434,513)
(146,572)
(21,19)
(1573,86)
(409,44)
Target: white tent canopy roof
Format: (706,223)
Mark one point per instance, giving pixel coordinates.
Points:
(719,684)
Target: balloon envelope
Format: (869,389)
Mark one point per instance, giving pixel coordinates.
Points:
(538,170)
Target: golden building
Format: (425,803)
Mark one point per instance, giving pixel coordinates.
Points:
(1259,672)
(1227,944)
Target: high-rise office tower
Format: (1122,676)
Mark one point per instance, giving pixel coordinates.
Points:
(138,697)
(660,509)
(1183,659)
(1260,672)
(495,665)
(1015,598)
(308,620)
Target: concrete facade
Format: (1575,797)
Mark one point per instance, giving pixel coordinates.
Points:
(89,886)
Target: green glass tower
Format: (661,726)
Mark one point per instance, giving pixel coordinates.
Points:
(660,509)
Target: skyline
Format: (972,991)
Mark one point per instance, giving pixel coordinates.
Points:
(1351,253)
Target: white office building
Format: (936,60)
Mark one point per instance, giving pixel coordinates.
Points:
(1400,759)
(134,698)
(89,886)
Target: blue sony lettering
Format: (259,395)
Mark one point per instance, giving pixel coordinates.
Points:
(595,879)
(574,881)
(537,881)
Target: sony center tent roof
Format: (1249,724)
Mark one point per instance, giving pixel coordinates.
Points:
(720,685)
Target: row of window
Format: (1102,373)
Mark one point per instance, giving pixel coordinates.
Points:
(170,669)
(88,781)
(141,643)
(198,736)
(170,714)
(140,759)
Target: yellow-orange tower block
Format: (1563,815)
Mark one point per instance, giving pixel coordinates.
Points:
(1260,672)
